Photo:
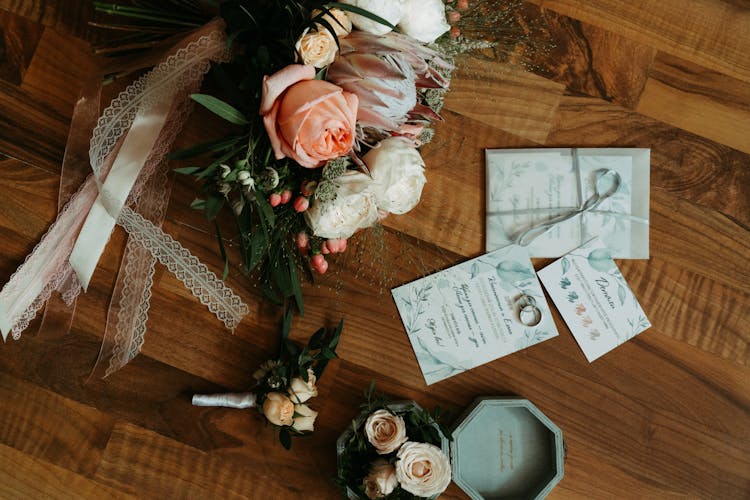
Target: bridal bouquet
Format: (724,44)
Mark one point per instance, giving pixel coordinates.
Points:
(284,386)
(393,450)
(327,105)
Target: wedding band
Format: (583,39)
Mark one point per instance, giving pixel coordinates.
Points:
(530,315)
(526,300)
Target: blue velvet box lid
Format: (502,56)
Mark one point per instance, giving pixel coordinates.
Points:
(506,448)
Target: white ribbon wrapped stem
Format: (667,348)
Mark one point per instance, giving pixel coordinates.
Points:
(230,400)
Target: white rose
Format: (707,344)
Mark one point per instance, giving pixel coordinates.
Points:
(338,20)
(317,48)
(304,418)
(354,208)
(390,10)
(300,391)
(385,431)
(422,469)
(424,20)
(381,480)
(397,171)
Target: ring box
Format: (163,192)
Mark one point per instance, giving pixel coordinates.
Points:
(501,448)
(506,448)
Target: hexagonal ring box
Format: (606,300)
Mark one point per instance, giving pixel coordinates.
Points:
(506,448)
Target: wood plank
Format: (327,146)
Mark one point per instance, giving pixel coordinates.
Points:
(704,102)
(67,16)
(505,97)
(18,41)
(591,61)
(140,462)
(712,33)
(27,477)
(66,61)
(46,426)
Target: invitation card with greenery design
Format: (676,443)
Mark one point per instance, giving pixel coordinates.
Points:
(474,312)
(594,299)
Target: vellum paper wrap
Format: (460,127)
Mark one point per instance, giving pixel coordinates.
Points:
(127,150)
(528,188)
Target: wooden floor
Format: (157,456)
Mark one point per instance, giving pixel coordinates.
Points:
(663,416)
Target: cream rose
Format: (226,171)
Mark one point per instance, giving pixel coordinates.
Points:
(385,431)
(300,391)
(353,208)
(338,20)
(278,409)
(397,172)
(422,469)
(381,480)
(390,10)
(423,20)
(304,418)
(317,48)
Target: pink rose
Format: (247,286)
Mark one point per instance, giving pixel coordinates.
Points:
(310,121)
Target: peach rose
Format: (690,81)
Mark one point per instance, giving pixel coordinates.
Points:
(278,409)
(381,480)
(385,431)
(307,120)
(423,469)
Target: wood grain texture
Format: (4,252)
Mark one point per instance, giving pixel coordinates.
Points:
(666,415)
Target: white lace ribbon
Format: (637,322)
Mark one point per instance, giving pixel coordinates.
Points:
(134,121)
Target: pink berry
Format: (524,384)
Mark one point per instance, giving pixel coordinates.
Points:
(462,4)
(317,259)
(302,240)
(323,267)
(324,248)
(274,199)
(286,196)
(336,245)
(455,32)
(300,204)
(454,16)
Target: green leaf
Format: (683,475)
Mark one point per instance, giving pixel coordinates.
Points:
(206,147)
(267,217)
(285,438)
(296,289)
(258,246)
(198,204)
(287,326)
(362,12)
(565,265)
(187,170)
(222,250)
(214,203)
(220,108)
(621,294)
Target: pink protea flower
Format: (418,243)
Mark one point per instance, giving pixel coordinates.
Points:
(384,72)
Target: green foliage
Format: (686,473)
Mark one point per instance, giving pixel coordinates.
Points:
(358,454)
(294,361)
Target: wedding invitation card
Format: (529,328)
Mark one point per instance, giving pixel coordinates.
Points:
(594,299)
(474,312)
(597,192)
